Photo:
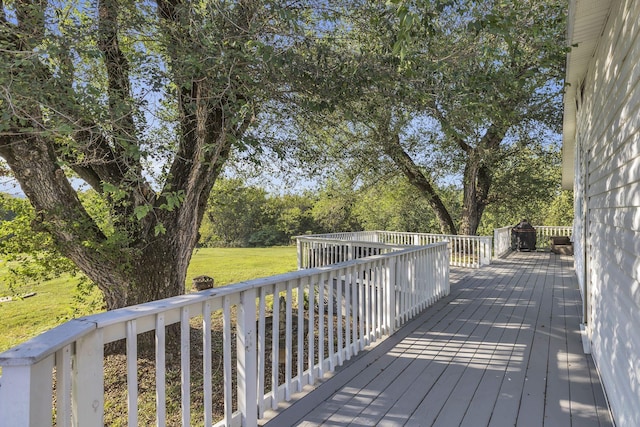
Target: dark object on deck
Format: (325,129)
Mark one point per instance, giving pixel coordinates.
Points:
(200,283)
(523,237)
(561,245)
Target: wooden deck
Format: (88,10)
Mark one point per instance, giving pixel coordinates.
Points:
(503,349)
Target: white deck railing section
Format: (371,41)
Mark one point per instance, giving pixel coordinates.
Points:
(502,237)
(354,304)
(322,249)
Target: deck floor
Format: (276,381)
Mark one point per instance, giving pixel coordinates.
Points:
(502,349)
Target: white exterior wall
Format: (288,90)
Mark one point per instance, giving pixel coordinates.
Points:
(607,191)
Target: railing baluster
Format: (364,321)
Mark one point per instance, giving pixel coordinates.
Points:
(261,350)
(310,337)
(330,323)
(161,390)
(88,380)
(185,365)
(348,286)
(226,350)
(289,344)
(301,333)
(132,372)
(63,386)
(275,348)
(367,304)
(339,319)
(207,369)
(366,276)
(247,366)
(321,336)
(356,277)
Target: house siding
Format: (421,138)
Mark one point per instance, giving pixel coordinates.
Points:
(607,191)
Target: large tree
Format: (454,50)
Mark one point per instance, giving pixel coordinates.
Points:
(143,102)
(444,89)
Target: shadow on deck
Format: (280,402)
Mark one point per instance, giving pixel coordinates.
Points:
(503,349)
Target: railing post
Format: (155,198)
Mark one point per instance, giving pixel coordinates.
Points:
(25,394)
(88,380)
(390,291)
(446,266)
(485,251)
(247,362)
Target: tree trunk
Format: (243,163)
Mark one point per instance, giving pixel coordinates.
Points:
(416,177)
(470,215)
(476,185)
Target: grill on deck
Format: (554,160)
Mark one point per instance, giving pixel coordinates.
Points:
(523,237)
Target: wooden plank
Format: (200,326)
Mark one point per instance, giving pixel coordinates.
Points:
(557,409)
(588,406)
(474,343)
(481,406)
(529,372)
(489,363)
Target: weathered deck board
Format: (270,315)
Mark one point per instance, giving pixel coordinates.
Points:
(503,349)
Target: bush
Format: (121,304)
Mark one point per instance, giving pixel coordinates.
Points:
(268,237)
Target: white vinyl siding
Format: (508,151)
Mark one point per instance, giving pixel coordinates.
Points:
(607,188)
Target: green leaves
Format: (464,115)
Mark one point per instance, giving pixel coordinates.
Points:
(173,200)
(141,211)
(159,229)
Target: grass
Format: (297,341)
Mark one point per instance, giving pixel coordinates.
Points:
(233,265)
(56,300)
(22,319)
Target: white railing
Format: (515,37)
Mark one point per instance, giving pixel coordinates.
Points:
(502,237)
(544,232)
(319,251)
(501,241)
(324,249)
(354,304)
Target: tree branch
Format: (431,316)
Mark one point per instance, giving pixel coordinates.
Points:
(30,15)
(449,130)
(416,177)
(119,87)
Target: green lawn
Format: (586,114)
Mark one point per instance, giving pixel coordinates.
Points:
(55,303)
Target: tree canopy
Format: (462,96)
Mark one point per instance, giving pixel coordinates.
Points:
(143,102)
(445,89)
(117,118)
